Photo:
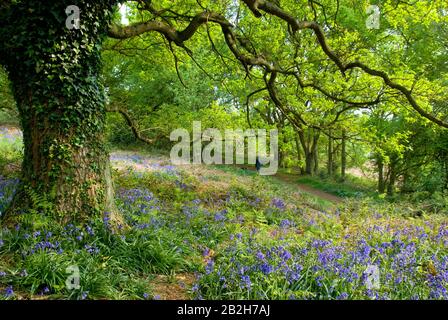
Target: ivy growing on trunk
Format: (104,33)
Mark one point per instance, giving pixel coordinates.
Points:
(54,72)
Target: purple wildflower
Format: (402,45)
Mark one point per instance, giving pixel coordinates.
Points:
(278,203)
(9,292)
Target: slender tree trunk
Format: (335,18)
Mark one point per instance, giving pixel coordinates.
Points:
(284,152)
(381,184)
(343,155)
(443,161)
(405,186)
(54,73)
(299,154)
(330,156)
(391,182)
(316,161)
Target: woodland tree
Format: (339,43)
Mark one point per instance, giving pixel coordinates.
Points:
(291,48)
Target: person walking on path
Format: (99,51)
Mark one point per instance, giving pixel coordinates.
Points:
(258,164)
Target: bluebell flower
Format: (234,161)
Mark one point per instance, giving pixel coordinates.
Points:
(90,230)
(285,223)
(45,291)
(319,281)
(260,255)
(285,255)
(9,292)
(245,282)
(209,267)
(342,296)
(278,203)
(266,268)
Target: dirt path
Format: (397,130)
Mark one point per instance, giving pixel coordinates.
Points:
(292,179)
(145,163)
(13,132)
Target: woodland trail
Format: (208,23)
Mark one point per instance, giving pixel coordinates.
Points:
(14,132)
(293,178)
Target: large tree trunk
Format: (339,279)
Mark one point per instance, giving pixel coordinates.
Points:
(309,161)
(54,71)
(309,146)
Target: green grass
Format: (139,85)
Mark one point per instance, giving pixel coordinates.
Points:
(240,235)
(281,187)
(352,187)
(11,150)
(9,118)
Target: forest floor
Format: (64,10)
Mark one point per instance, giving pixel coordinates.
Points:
(221,232)
(293,178)
(154,161)
(145,162)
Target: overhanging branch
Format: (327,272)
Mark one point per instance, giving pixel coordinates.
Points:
(295,25)
(130,122)
(179,37)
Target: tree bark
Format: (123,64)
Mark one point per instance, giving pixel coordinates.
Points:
(343,155)
(309,147)
(381,184)
(330,156)
(309,160)
(392,178)
(316,158)
(307,153)
(54,73)
(299,154)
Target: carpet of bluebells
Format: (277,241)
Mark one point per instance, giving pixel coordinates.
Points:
(241,239)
